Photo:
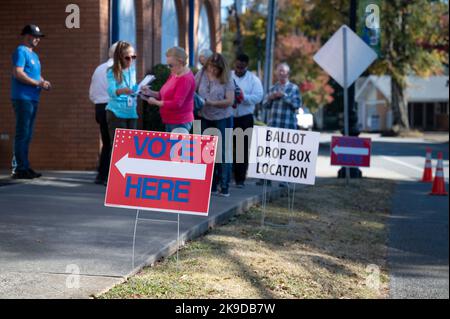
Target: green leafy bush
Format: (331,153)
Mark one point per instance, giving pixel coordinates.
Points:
(150,117)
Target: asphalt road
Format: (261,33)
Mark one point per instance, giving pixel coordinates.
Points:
(418,227)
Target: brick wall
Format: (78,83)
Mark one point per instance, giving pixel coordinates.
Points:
(66,134)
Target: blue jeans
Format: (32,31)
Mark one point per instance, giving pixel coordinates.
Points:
(222,170)
(25,111)
(179,128)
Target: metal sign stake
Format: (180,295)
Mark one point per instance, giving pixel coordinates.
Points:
(134,236)
(178,238)
(264,203)
(346,119)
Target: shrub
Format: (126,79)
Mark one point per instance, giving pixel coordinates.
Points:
(150,113)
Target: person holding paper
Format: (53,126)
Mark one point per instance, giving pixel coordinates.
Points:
(121,110)
(282,102)
(176,97)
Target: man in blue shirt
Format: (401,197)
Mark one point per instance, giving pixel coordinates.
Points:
(26,87)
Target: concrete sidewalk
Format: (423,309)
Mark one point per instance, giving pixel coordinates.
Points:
(56,226)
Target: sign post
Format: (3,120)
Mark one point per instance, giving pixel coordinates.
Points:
(346,115)
(345,45)
(164,172)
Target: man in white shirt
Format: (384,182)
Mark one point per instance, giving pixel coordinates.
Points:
(98,94)
(253,91)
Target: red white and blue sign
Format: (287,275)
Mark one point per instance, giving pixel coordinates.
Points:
(350,151)
(165,172)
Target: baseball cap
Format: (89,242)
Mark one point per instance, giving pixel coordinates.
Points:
(32,30)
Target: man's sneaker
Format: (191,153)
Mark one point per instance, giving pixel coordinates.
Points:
(224,193)
(214,190)
(240,185)
(33,173)
(22,175)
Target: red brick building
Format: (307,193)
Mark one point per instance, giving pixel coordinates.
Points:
(66,135)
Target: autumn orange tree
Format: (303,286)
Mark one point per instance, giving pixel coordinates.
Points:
(292,46)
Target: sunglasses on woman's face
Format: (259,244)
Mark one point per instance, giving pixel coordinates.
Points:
(131,57)
(170,66)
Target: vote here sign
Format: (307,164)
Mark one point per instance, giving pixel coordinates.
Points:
(165,172)
(284,155)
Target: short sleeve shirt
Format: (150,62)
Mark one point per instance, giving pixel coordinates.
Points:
(214,91)
(28,60)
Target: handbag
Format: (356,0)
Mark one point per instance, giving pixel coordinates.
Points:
(199,102)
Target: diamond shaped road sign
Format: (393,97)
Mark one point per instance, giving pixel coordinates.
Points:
(331,56)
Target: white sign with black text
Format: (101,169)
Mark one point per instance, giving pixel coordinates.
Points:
(284,155)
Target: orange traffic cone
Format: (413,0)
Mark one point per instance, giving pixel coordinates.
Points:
(439,183)
(427,176)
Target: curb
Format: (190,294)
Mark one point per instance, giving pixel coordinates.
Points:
(197,231)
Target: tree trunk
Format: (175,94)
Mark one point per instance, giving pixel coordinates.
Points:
(399,107)
(238,39)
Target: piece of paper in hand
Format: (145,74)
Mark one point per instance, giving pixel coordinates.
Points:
(146,81)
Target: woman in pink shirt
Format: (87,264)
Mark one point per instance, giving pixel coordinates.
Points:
(176,98)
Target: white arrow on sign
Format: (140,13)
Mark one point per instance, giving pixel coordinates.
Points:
(351,150)
(127,165)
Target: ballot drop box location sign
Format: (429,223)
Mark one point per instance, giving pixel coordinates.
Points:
(166,172)
(284,155)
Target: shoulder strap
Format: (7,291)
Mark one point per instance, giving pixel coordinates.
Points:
(200,80)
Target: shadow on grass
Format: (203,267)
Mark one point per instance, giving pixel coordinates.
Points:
(334,227)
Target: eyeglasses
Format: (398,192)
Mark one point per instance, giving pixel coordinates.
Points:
(129,58)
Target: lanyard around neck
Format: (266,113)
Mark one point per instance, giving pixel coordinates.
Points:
(128,85)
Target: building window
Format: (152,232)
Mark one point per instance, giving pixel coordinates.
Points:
(203,32)
(123,22)
(169,27)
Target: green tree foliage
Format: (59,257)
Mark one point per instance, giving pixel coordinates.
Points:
(293,46)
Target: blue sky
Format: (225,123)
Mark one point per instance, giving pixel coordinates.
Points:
(224,4)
